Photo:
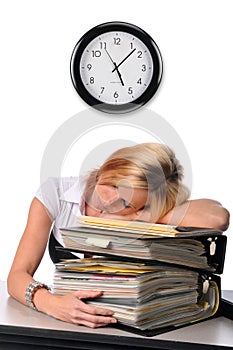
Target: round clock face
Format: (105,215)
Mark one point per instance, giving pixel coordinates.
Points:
(116,67)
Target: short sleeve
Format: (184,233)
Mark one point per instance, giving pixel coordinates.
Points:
(49,195)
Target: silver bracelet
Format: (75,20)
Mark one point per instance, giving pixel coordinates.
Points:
(30,291)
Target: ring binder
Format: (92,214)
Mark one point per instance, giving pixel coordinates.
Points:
(154,277)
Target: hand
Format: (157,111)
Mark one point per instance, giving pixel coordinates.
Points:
(114,63)
(117,66)
(71,308)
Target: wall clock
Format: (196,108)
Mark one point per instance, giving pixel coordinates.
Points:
(116,67)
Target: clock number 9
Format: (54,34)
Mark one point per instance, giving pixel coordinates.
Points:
(89,66)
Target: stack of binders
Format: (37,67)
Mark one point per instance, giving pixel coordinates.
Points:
(154,277)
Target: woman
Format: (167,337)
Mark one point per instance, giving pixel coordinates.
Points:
(142,182)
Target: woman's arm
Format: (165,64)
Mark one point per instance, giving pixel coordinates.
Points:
(198,213)
(69,308)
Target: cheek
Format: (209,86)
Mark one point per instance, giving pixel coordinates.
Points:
(128,211)
(124,211)
(106,193)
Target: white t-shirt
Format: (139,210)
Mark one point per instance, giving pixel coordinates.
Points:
(63,199)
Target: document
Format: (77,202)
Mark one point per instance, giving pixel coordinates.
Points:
(142,296)
(192,247)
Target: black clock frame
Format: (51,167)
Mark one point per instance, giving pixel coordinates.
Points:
(109,27)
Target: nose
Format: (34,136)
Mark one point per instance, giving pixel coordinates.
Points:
(110,195)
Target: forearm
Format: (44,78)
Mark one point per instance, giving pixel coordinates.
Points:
(30,251)
(17,283)
(69,308)
(198,213)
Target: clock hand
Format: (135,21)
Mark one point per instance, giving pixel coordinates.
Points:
(109,55)
(116,67)
(119,74)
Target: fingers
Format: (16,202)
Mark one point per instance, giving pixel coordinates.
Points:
(86,294)
(91,320)
(90,315)
(90,309)
(93,310)
(71,308)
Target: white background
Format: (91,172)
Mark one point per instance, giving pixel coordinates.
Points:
(37,96)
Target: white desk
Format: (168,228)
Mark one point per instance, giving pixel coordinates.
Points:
(21,327)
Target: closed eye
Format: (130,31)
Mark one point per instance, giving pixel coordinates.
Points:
(126,204)
(145,207)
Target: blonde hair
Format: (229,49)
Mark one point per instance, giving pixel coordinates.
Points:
(150,166)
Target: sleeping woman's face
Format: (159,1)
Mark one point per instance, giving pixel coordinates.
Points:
(120,200)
